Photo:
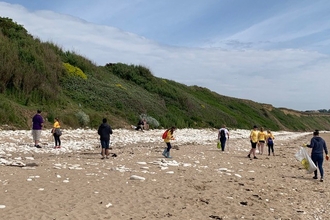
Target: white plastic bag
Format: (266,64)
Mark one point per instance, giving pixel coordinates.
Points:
(305,160)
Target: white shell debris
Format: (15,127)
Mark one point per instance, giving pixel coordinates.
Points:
(135,177)
(223,169)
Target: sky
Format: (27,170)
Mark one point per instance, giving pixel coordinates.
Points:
(275,52)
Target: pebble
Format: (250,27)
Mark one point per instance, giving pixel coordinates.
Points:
(135,177)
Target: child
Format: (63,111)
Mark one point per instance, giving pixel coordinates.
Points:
(167,140)
(270,142)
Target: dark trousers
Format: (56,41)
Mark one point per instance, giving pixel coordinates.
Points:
(139,127)
(223,143)
(168,146)
(270,148)
(105,144)
(318,160)
(57,140)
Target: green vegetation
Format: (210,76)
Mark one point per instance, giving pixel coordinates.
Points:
(40,75)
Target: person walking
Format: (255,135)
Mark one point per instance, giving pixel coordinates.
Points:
(167,140)
(270,142)
(37,124)
(253,141)
(57,133)
(318,145)
(105,131)
(223,135)
(261,140)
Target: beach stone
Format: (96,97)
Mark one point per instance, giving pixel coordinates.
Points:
(223,169)
(2,206)
(135,177)
(173,164)
(29,158)
(28,168)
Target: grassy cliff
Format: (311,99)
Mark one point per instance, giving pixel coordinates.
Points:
(40,75)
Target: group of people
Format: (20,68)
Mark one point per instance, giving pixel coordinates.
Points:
(258,138)
(318,145)
(37,125)
(141,125)
(104,132)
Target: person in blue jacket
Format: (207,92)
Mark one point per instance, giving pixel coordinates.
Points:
(105,131)
(318,145)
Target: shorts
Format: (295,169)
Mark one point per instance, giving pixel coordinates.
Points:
(105,144)
(253,145)
(261,141)
(36,135)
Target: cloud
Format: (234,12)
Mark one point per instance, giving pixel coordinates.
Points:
(291,78)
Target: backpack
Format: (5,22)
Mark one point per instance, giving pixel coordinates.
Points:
(164,134)
(222,134)
(269,141)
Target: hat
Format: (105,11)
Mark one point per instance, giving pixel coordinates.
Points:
(255,126)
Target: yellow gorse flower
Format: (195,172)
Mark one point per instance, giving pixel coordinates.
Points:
(74,71)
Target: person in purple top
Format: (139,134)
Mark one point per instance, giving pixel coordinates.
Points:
(37,123)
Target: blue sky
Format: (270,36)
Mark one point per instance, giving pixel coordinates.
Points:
(275,52)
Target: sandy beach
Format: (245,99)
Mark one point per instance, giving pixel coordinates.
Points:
(199,182)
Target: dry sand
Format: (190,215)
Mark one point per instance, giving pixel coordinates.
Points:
(200,182)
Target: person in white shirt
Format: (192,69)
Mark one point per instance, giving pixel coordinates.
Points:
(223,135)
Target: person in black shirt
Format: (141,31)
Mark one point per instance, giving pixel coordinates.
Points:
(104,131)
